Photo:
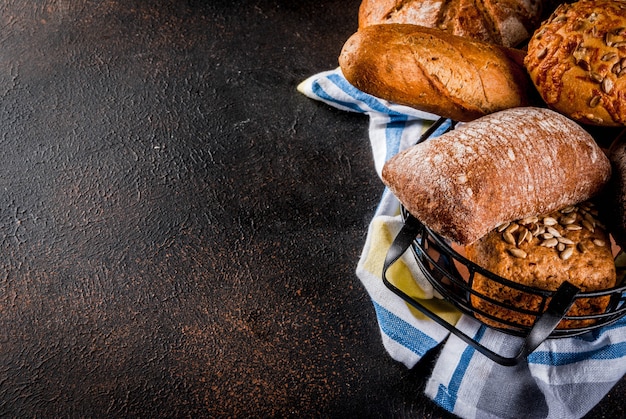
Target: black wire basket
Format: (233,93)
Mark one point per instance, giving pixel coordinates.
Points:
(452,276)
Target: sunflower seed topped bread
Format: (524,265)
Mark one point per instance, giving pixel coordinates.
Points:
(542,252)
(577,61)
(435,72)
(505,166)
(501,22)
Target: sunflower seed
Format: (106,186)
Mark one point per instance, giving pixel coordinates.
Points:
(573,227)
(594,101)
(596,77)
(538,230)
(567,253)
(608,56)
(565,240)
(568,209)
(589,217)
(502,227)
(582,248)
(512,228)
(530,220)
(508,237)
(518,253)
(588,226)
(617,68)
(560,247)
(599,242)
(552,242)
(553,231)
(524,235)
(607,85)
(550,221)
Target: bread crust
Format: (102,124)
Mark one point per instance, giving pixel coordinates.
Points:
(552,254)
(434,71)
(501,22)
(577,61)
(501,167)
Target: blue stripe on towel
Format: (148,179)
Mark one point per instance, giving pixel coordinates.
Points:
(402,332)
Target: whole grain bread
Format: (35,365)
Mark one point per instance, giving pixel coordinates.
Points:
(577,61)
(501,167)
(501,22)
(542,252)
(435,72)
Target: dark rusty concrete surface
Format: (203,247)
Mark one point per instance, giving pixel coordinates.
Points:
(179,227)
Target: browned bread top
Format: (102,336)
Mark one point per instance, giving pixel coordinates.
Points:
(577,61)
(435,71)
(542,252)
(501,167)
(501,22)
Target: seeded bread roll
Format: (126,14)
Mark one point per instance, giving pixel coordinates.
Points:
(577,61)
(505,22)
(501,167)
(543,252)
(434,71)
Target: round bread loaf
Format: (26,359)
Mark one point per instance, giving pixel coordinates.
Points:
(542,252)
(577,61)
(501,167)
(501,22)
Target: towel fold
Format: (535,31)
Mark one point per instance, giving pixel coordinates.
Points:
(562,378)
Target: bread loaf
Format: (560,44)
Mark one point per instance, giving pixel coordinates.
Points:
(434,71)
(501,22)
(614,196)
(543,252)
(577,61)
(501,167)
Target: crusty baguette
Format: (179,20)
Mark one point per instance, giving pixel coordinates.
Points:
(505,166)
(502,22)
(435,72)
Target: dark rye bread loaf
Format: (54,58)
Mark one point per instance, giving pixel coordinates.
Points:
(613,200)
(502,167)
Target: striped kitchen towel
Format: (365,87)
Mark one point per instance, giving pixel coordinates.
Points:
(563,378)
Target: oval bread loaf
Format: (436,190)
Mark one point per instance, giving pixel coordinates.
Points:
(502,167)
(435,72)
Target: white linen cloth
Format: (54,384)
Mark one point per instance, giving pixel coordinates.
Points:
(562,378)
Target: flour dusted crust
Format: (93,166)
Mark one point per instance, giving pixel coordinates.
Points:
(577,61)
(501,22)
(501,167)
(435,71)
(543,252)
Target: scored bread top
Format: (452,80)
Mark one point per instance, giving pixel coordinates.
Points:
(501,22)
(435,71)
(501,167)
